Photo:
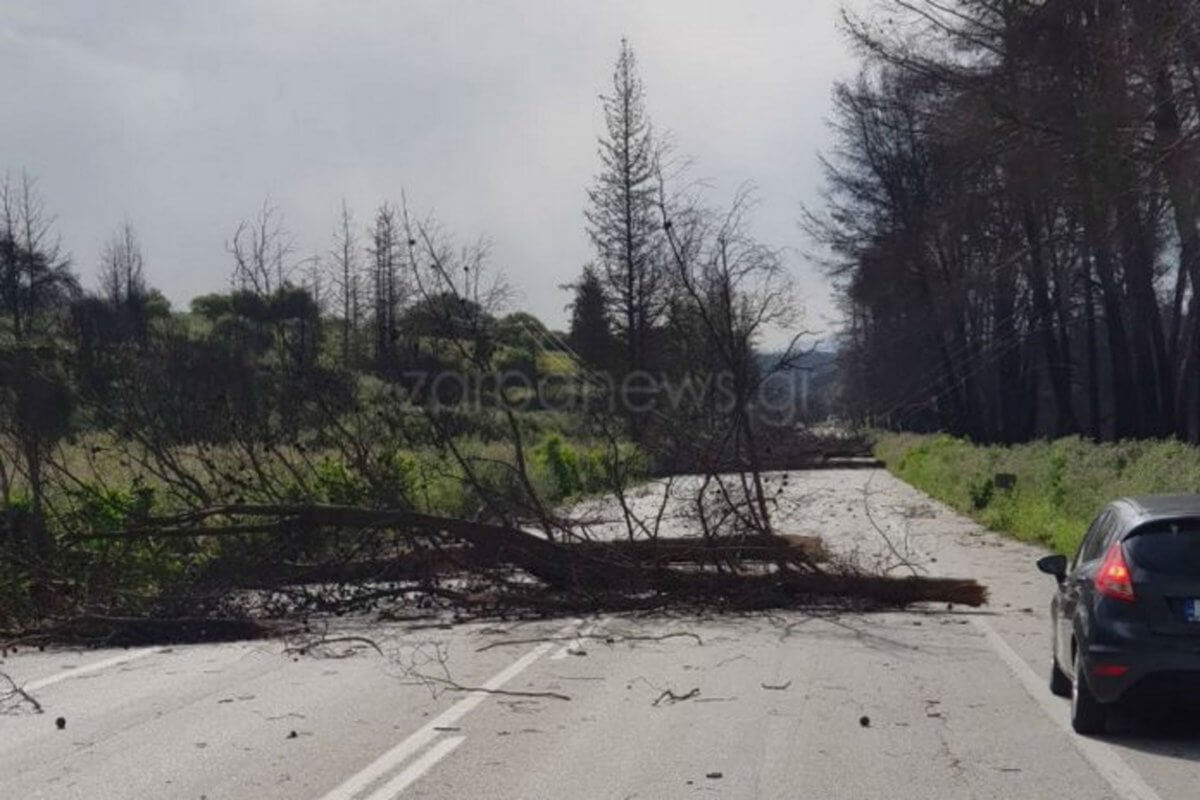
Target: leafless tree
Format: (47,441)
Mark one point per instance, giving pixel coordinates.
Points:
(35,276)
(122,267)
(344,273)
(735,289)
(262,251)
(387,283)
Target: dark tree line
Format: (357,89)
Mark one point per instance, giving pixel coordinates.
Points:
(1012,212)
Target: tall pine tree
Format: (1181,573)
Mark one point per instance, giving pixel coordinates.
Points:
(621,216)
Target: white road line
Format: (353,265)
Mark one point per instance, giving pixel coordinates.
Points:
(86,669)
(393,758)
(433,755)
(1104,758)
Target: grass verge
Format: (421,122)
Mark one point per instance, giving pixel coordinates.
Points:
(1060,485)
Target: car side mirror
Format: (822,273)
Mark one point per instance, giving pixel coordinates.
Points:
(1055,565)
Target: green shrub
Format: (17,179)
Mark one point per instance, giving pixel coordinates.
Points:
(560,461)
(981,488)
(106,510)
(335,483)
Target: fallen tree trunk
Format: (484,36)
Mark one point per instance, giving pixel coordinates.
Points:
(786,588)
(751,571)
(796,550)
(556,565)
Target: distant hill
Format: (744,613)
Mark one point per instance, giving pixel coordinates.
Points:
(807,392)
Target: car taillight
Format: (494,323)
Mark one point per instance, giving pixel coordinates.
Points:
(1112,579)
(1109,670)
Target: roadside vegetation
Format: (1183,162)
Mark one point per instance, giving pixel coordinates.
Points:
(376,425)
(1059,486)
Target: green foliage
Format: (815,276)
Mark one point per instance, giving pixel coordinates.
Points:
(15,578)
(562,464)
(522,330)
(981,488)
(212,306)
(554,362)
(575,470)
(1060,485)
(335,483)
(104,510)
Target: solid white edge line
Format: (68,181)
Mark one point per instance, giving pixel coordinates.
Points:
(87,669)
(359,781)
(432,756)
(1103,757)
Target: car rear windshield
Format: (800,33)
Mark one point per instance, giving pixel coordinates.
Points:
(1171,547)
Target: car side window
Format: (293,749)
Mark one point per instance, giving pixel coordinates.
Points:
(1094,540)
(1112,533)
(1099,542)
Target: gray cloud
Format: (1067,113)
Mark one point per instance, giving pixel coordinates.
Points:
(183,116)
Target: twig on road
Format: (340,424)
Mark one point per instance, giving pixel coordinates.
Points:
(672,697)
(902,560)
(19,692)
(307,647)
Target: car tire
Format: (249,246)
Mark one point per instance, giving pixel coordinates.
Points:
(1060,682)
(1088,715)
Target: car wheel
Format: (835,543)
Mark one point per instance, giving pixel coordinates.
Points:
(1088,714)
(1060,683)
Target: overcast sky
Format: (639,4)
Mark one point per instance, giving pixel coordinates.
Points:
(184,116)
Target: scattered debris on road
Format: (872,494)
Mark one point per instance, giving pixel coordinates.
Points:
(609,638)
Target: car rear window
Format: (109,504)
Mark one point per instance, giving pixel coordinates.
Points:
(1171,547)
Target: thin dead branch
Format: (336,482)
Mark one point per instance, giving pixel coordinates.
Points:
(671,697)
(17,691)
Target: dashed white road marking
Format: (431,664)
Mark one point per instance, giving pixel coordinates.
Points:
(86,669)
(377,769)
(1104,758)
(433,755)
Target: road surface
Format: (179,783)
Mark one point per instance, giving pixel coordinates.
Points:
(926,704)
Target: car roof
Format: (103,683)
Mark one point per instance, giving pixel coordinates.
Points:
(1138,510)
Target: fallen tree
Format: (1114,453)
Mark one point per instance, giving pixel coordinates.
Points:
(222,529)
(481,568)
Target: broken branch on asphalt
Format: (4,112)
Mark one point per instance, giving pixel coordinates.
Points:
(671,697)
(17,692)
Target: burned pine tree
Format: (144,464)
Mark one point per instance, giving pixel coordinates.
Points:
(621,215)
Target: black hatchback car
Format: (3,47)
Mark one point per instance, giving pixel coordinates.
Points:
(1126,616)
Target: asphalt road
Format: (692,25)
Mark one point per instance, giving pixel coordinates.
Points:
(933,703)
